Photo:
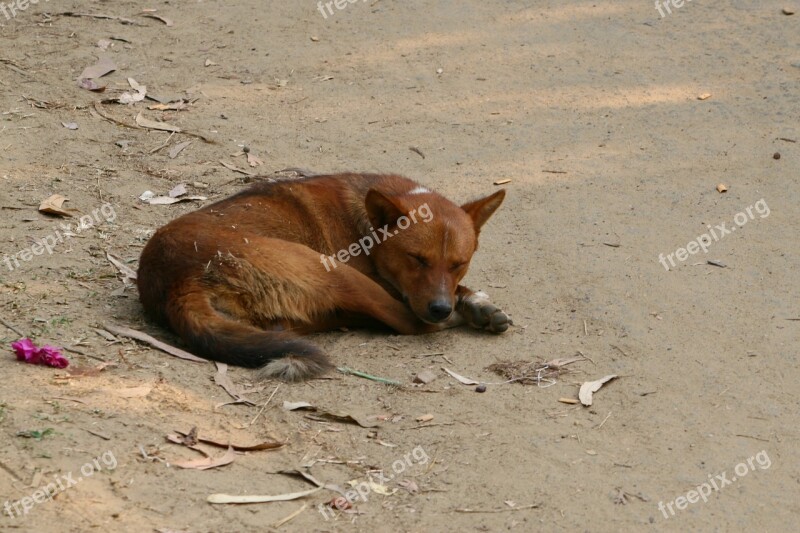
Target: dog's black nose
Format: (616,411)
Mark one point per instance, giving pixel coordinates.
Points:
(440,309)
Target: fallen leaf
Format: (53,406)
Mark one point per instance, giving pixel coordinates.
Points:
(235,169)
(293,406)
(558,363)
(70,125)
(222,379)
(144,337)
(153,125)
(104,65)
(210,63)
(192,438)
(253,161)
(346,418)
(207,463)
(571,401)
(230,498)
(166,200)
(460,378)
(124,269)
(502,182)
(177,106)
(590,387)
(704,96)
(91,85)
(722,187)
(178,190)
(177,149)
(425,418)
(165,20)
(138,96)
(788,11)
(52,206)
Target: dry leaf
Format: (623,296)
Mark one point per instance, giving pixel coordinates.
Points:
(230,498)
(502,182)
(104,66)
(571,401)
(70,125)
(460,378)
(425,418)
(177,106)
(253,161)
(166,200)
(208,462)
(153,125)
(52,206)
(165,20)
(91,85)
(722,187)
(144,337)
(178,190)
(293,406)
(178,148)
(222,379)
(138,96)
(704,96)
(192,438)
(124,269)
(210,63)
(590,387)
(233,167)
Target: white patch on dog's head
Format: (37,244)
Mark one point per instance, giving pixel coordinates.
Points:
(419,190)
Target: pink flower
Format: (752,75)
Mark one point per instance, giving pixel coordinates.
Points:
(52,356)
(47,355)
(26,351)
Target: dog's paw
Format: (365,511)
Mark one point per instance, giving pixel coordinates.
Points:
(481,313)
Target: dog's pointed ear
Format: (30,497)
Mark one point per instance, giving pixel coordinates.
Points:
(382,209)
(480,210)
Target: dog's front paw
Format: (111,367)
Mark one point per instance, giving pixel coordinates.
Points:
(481,313)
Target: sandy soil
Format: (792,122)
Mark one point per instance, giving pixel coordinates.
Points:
(590,109)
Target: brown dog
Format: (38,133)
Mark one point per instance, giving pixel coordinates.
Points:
(241,279)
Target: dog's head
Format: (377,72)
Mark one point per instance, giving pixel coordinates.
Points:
(425,245)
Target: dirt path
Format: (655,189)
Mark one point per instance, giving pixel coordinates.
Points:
(592,110)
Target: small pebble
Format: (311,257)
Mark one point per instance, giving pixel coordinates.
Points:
(480,388)
(776,155)
(246,149)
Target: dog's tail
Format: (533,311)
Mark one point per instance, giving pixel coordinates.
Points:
(212,335)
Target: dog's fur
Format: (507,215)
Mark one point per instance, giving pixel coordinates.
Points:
(240,280)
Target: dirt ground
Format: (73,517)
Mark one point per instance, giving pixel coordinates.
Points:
(614,124)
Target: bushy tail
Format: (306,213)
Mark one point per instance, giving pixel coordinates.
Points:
(212,335)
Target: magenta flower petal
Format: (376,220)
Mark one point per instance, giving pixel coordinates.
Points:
(48,355)
(26,351)
(52,356)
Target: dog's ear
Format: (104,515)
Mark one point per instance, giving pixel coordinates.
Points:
(382,209)
(480,210)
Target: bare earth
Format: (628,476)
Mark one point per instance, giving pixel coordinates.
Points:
(591,109)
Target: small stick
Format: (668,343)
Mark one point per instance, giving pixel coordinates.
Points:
(290,517)
(11,327)
(264,407)
(604,420)
(521,508)
(345,370)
